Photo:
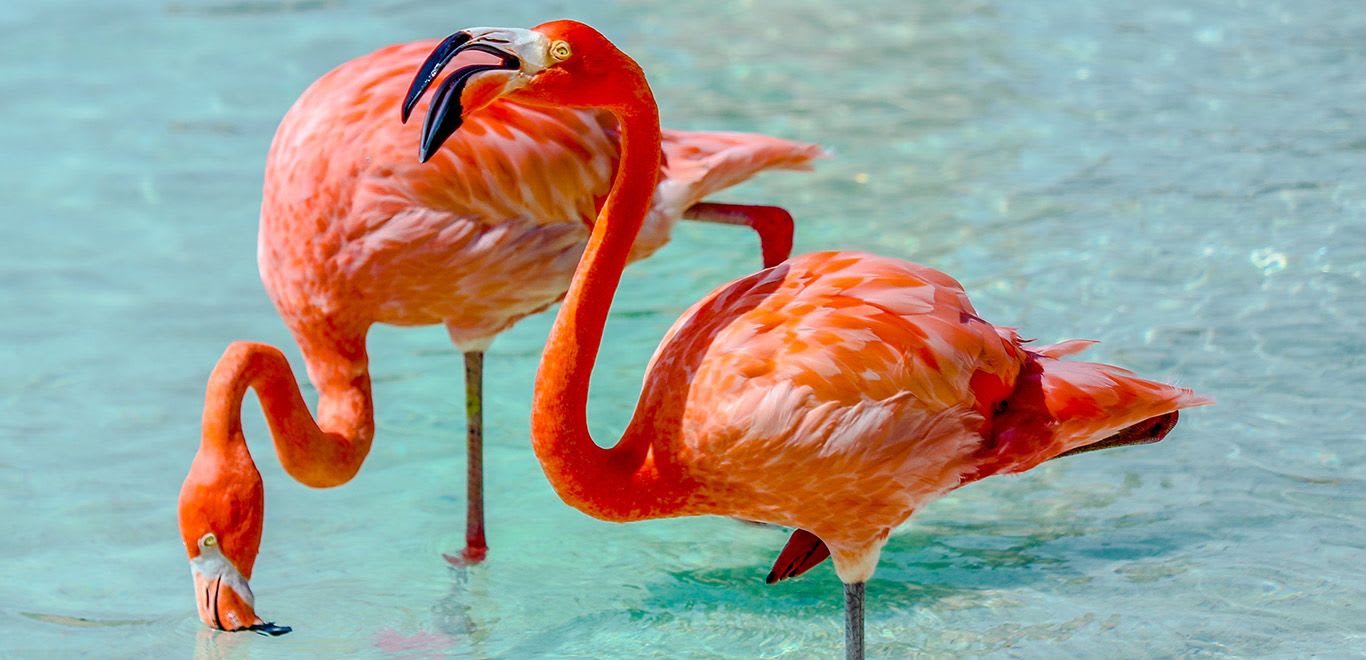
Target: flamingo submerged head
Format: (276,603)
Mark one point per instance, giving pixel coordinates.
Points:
(220,523)
(545,65)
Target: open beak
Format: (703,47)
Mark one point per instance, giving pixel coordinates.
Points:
(448,105)
(1145,432)
(227,606)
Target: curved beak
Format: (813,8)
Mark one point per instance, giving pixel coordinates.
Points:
(226,603)
(510,49)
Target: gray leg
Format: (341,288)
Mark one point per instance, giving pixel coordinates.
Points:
(853,621)
(476,548)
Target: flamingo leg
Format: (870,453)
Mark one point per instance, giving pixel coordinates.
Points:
(773,224)
(476,547)
(853,621)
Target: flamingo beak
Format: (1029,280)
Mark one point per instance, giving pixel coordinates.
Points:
(448,106)
(226,603)
(1145,432)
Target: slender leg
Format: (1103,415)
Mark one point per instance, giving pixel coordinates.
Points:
(773,224)
(853,621)
(476,548)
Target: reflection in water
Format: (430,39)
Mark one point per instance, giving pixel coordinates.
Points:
(455,614)
(219,645)
(421,644)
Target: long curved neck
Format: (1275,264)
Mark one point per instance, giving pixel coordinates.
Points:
(318,456)
(624,482)
(223,491)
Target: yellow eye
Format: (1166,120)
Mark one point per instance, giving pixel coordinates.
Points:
(560,50)
(209,540)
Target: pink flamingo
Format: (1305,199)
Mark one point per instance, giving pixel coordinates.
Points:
(355,232)
(835,393)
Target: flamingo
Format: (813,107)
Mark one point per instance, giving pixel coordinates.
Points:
(834,393)
(354,232)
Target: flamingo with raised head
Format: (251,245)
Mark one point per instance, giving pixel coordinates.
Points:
(354,231)
(835,393)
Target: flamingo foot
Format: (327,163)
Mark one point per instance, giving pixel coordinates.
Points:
(470,556)
(803,552)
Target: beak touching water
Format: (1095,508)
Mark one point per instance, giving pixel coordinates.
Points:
(520,52)
(225,600)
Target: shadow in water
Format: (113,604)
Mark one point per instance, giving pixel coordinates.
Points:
(960,564)
(930,568)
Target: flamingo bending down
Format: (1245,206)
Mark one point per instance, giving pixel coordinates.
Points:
(354,232)
(835,393)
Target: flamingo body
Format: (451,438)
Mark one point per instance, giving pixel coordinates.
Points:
(840,391)
(837,394)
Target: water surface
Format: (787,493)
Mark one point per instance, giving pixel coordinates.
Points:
(1185,181)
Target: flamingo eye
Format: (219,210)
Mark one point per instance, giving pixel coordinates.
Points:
(560,50)
(208,540)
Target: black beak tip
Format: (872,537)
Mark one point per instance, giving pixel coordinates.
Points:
(444,113)
(437,130)
(269,629)
(431,68)
(425,153)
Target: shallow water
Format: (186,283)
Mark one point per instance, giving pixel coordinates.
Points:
(1183,180)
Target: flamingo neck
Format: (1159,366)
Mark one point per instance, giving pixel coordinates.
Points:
(624,482)
(223,492)
(319,454)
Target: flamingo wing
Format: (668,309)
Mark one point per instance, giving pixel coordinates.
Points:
(838,384)
(700,163)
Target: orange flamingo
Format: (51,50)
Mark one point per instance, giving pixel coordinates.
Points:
(835,393)
(355,232)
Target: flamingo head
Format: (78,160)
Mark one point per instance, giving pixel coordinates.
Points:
(560,63)
(220,522)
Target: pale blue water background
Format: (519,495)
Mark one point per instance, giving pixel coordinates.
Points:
(1183,180)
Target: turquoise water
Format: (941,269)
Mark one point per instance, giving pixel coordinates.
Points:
(1185,181)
